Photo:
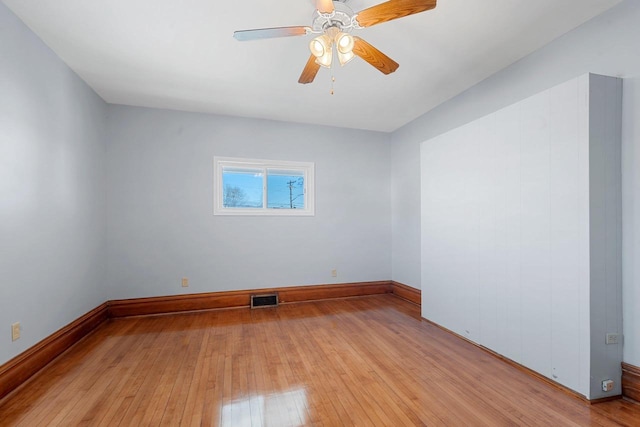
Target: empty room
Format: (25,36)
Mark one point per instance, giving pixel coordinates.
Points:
(316,212)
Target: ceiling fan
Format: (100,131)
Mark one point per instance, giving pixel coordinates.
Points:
(333,21)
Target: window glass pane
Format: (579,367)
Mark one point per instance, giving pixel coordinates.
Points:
(242,188)
(263,187)
(285,189)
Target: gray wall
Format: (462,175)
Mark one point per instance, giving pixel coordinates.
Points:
(605,231)
(631,219)
(405,208)
(160,206)
(605,45)
(52,190)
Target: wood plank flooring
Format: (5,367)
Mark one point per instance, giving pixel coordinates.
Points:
(358,361)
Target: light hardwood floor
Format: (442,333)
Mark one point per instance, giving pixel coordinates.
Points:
(358,361)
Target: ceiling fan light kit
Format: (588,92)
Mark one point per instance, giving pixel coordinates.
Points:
(322,47)
(333,21)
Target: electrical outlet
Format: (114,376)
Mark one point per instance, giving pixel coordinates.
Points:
(15,331)
(334,273)
(607,385)
(612,339)
(185,282)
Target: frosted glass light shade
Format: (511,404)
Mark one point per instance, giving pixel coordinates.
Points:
(320,47)
(317,48)
(345,57)
(345,42)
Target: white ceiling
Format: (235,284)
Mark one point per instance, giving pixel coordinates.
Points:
(181,54)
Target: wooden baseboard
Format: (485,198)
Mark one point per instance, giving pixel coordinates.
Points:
(407,292)
(231,299)
(631,382)
(22,367)
(19,369)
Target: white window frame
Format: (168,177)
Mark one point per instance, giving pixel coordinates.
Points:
(307,168)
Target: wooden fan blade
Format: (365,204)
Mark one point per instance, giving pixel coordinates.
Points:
(310,71)
(392,9)
(267,33)
(374,57)
(324,6)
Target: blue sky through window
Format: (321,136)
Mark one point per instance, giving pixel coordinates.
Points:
(285,192)
(243,188)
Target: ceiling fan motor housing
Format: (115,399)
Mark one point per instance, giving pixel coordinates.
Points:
(342,18)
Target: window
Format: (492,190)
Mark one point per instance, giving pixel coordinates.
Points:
(262,187)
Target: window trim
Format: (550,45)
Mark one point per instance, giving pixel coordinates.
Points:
(308,168)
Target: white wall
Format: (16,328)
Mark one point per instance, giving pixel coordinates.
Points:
(160,206)
(605,45)
(52,190)
(520,232)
